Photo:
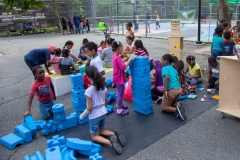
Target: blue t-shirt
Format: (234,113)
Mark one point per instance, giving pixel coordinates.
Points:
(227,47)
(173,77)
(76,19)
(217,43)
(38,56)
(82,48)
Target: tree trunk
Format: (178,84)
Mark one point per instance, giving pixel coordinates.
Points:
(223,11)
(57,15)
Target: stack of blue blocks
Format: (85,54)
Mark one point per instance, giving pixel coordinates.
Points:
(141,85)
(78,97)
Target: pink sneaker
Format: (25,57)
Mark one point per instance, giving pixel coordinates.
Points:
(122,111)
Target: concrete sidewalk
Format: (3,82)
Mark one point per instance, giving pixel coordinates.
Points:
(206,137)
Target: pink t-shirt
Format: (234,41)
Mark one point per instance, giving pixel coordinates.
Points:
(100,49)
(118,70)
(55,66)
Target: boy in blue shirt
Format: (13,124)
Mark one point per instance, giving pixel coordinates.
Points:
(228,44)
(172,88)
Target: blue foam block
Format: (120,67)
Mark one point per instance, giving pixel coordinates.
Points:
(11,140)
(143,111)
(76,77)
(77,114)
(80,108)
(113,85)
(135,64)
(39,124)
(68,153)
(56,141)
(143,93)
(108,83)
(79,98)
(97,156)
(143,98)
(29,124)
(37,156)
(53,125)
(53,153)
(23,132)
(140,88)
(144,108)
(143,84)
(78,88)
(142,59)
(146,69)
(78,144)
(182,98)
(71,121)
(96,148)
(113,94)
(78,93)
(140,74)
(109,109)
(78,103)
(46,130)
(141,79)
(59,112)
(141,102)
(77,83)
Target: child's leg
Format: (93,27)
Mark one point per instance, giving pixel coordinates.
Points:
(44,109)
(170,104)
(120,93)
(156,93)
(212,81)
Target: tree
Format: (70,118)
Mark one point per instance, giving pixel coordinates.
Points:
(223,11)
(56,11)
(77,7)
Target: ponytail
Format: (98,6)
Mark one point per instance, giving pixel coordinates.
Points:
(98,80)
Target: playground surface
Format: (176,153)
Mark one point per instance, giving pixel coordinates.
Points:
(205,136)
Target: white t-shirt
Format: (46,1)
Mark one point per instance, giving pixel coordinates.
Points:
(98,101)
(96,62)
(130,46)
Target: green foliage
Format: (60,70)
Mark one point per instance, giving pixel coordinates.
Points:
(77,7)
(23,4)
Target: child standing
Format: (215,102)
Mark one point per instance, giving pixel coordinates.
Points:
(172,89)
(228,44)
(97,99)
(101,47)
(130,49)
(44,90)
(66,65)
(119,75)
(235,35)
(182,79)
(64,25)
(195,76)
(213,73)
(217,42)
(108,53)
(70,24)
(82,53)
(93,58)
(157,91)
(88,26)
(56,58)
(129,31)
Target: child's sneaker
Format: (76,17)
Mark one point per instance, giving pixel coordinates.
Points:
(180,103)
(159,100)
(181,112)
(121,139)
(122,111)
(116,146)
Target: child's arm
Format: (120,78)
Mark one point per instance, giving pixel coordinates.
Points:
(187,70)
(28,112)
(88,109)
(106,99)
(208,77)
(103,56)
(83,54)
(52,88)
(129,60)
(130,51)
(46,66)
(74,57)
(166,81)
(198,75)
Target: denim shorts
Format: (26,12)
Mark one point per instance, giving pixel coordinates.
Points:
(46,109)
(216,53)
(96,124)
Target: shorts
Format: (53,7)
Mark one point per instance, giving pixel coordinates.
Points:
(173,95)
(46,109)
(96,124)
(64,27)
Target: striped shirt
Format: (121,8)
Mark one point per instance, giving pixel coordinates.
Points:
(141,52)
(67,61)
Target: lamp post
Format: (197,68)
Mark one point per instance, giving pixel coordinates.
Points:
(199,22)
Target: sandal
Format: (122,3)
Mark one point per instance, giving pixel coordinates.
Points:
(122,112)
(121,139)
(116,146)
(124,106)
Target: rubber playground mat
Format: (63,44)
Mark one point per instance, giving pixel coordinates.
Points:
(141,130)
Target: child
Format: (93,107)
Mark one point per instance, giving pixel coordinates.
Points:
(93,58)
(82,53)
(157,91)
(217,42)
(235,35)
(66,65)
(45,93)
(70,24)
(195,76)
(226,27)
(172,89)
(175,60)
(88,26)
(213,73)
(68,45)
(130,49)
(107,54)
(157,21)
(228,44)
(119,75)
(56,58)
(84,25)
(101,47)
(142,51)
(182,79)
(97,99)
(64,25)
(107,36)
(129,31)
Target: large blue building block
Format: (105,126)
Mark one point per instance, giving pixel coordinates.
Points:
(97,156)
(78,88)
(76,77)
(142,103)
(146,69)
(77,93)
(96,148)
(75,84)
(108,83)
(140,88)
(80,108)
(143,84)
(143,93)
(109,109)
(53,153)
(181,98)
(37,156)
(77,104)
(142,59)
(56,141)
(136,73)
(59,112)
(78,144)
(77,114)
(39,124)
(68,153)
(143,98)
(29,124)
(141,110)
(71,121)
(141,79)
(11,140)
(79,98)
(49,128)
(111,96)
(23,132)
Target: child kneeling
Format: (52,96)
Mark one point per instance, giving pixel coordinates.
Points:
(96,101)
(213,73)
(172,89)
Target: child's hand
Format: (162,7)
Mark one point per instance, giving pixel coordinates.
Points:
(166,94)
(208,85)
(132,58)
(189,77)
(54,98)
(216,83)
(27,113)
(50,73)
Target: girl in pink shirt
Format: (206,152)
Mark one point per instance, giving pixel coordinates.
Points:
(56,58)
(119,76)
(101,47)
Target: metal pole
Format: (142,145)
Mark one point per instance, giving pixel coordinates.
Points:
(145,18)
(68,8)
(117,17)
(122,20)
(199,22)
(236,12)
(177,4)
(188,4)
